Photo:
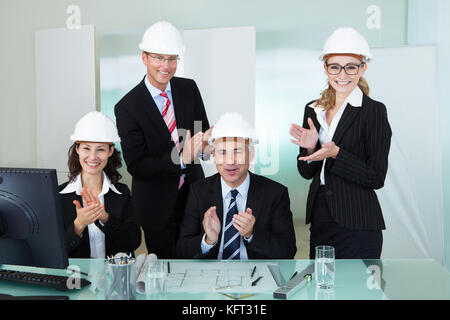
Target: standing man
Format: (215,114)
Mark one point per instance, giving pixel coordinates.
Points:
(152,120)
(236,214)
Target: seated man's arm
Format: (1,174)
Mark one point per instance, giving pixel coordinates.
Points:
(194,242)
(274,235)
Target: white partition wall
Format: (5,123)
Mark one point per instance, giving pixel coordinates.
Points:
(222,62)
(405,80)
(65,91)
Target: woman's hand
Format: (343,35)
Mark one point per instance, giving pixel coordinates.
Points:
(85,216)
(89,198)
(328,150)
(305,138)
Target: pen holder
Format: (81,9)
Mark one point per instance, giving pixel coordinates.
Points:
(120,281)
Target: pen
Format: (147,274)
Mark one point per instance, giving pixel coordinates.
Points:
(80,272)
(253,272)
(225,287)
(238,297)
(295,273)
(256,281)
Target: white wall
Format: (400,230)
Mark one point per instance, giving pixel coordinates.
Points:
(404,79)
(65,91)
(429,23)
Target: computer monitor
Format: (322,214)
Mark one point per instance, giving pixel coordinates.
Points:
(31,221)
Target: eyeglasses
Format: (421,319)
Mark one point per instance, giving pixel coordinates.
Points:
(350,68)
(161,59)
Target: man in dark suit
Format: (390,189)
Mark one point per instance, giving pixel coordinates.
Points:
(152,120)
(236,214)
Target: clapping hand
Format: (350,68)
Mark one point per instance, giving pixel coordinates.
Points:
(328,150)
(191,147)
(86,215)
(211,225)
(244,222)
(305,138)
(89,198)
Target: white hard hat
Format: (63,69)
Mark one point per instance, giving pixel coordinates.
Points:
(95,127)
(233,125)
(163,38)
(346,40)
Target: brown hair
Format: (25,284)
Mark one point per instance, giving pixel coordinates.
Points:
(114,163)
(328,96)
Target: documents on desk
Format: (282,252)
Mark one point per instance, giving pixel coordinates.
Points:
(210,276)
(220,276)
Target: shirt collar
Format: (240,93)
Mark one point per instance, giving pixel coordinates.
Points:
(354,99)
(242,188)
(155,91)
(75,186)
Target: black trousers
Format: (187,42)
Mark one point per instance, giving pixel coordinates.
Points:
(162,242)
(348,244)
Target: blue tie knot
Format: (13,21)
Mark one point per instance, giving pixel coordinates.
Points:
(234,193)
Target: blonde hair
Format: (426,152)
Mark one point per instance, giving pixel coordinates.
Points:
(328,96)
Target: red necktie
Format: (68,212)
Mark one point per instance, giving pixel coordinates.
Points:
(169,118)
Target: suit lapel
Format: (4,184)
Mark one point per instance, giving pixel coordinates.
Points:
(218,200)
(349,115)
(253,195)
(149,106)
(177,97)
(215,199)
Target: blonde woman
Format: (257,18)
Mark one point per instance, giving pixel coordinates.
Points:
(344,146)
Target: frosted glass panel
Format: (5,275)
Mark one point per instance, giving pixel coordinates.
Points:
(286,79)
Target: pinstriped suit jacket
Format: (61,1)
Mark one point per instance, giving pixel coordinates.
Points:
(364,138)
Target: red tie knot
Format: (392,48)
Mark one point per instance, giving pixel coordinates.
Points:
(164,95)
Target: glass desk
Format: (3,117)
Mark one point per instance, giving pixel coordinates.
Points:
(354,280)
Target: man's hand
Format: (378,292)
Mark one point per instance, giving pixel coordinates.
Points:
(206,147)
(211,225)
(191,147)
(244,222)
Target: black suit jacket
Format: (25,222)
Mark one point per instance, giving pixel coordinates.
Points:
(273,232)
(147,147)
(364,138)
(122,233)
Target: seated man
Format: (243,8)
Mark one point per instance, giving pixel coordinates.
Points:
(236,214)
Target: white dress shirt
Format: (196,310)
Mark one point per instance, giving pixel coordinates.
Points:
(96,236)
(326,132)
(241,202)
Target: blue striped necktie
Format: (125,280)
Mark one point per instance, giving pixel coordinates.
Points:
(231,238)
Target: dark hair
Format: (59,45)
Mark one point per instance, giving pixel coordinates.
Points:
(114,163)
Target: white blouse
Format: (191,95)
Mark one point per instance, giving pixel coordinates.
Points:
(327,131)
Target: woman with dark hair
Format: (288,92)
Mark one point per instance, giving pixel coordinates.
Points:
(344,146)
(99,219)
